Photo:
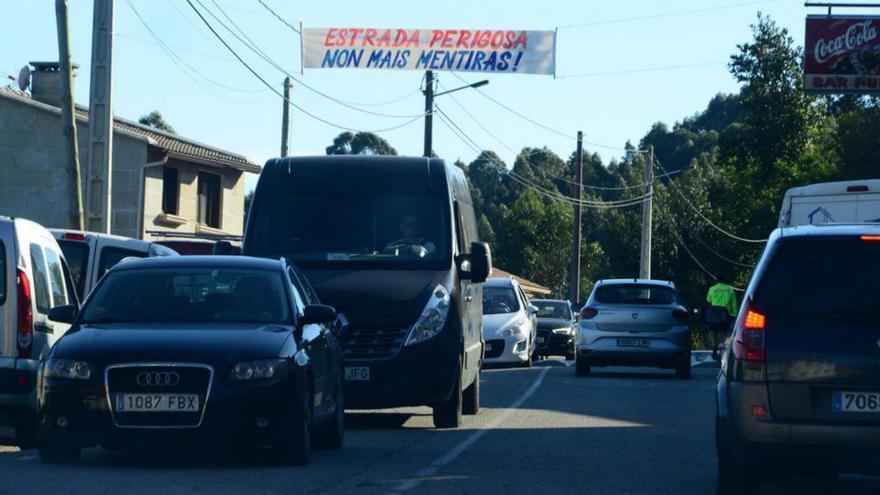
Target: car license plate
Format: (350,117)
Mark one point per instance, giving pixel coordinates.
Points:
(540,340)
(856,402)
(357,373)
(157,403)
(631,342)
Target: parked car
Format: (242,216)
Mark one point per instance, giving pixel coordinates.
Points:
(89,254)
(634,322)
(557,328)
(391,242)
(33,279)
(799,387)
(831,202)
(509,323)
(236,354)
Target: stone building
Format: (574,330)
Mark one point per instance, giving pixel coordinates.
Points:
(160,181)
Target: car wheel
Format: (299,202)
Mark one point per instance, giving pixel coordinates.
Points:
(471,399)
(294,445)
(448,414)
(58,451)
(581,367)
(332,434)
(683,370)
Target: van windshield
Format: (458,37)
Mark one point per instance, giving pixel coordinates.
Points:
(328,229)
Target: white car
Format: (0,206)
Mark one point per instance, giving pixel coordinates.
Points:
(509,323)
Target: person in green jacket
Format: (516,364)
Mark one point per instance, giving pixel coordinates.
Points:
(722,299)
(723,295)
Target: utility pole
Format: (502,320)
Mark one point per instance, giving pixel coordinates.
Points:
(429,111)
(285,117)
(68,116)
(574,286)
(99,190)
(647,217)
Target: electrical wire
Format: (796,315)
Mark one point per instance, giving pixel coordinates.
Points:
(678,229)
(8,75)
(295,30)
(668,14)
(637,71)
(272,88)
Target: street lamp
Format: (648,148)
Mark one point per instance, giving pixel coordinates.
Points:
(429,106)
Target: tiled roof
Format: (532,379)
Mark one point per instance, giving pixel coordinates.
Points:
(527,285)
(176,146)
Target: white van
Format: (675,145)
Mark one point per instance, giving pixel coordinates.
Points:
(90,254)
(33,279)
(831,202)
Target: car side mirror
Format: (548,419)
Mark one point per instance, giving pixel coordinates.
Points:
(479,263)
(533,310)
(222,248)
(63,314)
(317,314)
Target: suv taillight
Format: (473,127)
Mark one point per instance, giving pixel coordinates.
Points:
(589,313)
(748,337)
(25,318)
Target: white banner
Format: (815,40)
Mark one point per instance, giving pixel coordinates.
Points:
(462,50)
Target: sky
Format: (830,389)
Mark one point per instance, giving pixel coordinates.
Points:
(621,66)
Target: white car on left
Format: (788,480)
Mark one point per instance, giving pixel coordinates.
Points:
(509,323)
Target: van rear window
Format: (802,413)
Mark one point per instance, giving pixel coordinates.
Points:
(77,255)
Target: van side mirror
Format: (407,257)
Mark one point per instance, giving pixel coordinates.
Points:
(63,314)
(318,313)
(222,248)
(479,263)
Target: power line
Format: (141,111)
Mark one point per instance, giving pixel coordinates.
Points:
(295,30)
(678,229)
(668,14)
(272,88)
(637,71)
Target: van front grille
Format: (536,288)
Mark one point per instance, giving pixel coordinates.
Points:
(372,342)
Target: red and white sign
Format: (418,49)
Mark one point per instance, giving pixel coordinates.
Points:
(464,50)
(842,55)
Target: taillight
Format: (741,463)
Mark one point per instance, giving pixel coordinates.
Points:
(74,236)
(589,313)
(680,314)
(871,238)
(25,317)
(748,340)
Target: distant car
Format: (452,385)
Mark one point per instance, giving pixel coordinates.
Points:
(557,328)
(855,201)
(90,254)
(634,322)
(238,353)
(799,387)
(33,279)
(509,323)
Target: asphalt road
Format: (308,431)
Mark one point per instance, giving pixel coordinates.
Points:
(541,430)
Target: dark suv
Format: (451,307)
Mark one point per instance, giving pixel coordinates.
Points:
(799,386)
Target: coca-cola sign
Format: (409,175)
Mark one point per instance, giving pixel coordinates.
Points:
(842,54)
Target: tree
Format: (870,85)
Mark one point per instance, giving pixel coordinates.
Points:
(155,119)
(361,143)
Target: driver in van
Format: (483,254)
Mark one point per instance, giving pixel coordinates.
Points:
(411,235)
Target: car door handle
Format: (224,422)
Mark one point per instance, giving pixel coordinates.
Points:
(43,328)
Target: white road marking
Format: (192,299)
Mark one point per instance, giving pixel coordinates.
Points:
(455,452)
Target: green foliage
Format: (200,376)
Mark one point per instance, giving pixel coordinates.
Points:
(361,143)
(155,119)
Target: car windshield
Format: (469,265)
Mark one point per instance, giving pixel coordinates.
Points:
(328,230)
(498,300)
(635,294)
(553,309)
(189,295)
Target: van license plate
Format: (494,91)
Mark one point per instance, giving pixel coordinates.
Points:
(357,373)
(630,342)
(868,402)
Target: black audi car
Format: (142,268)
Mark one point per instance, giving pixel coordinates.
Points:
(557,325)
(194,349)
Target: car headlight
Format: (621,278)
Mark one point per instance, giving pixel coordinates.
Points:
(68,368)
(513,331)
(259,370)
(561,331)
(433,317)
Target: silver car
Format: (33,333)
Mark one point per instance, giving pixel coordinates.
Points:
(634,322)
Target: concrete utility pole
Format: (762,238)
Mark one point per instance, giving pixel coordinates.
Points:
(285,117)
(429,112)
(574,286)
(99,190)
(647,217)
(68,114)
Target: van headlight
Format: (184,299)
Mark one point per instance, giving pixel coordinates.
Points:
(433,317)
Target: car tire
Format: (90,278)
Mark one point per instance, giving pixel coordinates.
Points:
(683,370)
(570,355)
(471,399)
(332,435)
(447,414)
(58,451)
(581,367)
(294,444)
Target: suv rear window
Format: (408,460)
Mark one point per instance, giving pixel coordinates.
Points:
(822,276)
(635,294)
(77,255)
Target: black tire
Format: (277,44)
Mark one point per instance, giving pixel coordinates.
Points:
(683,370)
(471,398)
(331,436)
(447,414)
(570,355)
(581,367)
(294,444)
(58,452)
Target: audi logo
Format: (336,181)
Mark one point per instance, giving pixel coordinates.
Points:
(158,378)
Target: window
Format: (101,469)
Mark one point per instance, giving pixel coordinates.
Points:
(77,255)
(210,196)
(111,256)
(635,294)
(56,278)
(41,284)
(2,273)
(552,309)
(170,190)
(498,300)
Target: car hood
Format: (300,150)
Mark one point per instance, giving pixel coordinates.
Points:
(552,323)
(493,325)
(224,343)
